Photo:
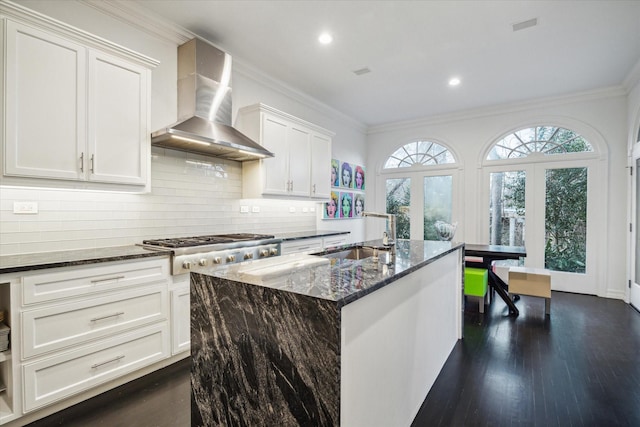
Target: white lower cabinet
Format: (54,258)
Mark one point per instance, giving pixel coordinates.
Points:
(312,244)
(55,327)
(180,315)
(76,328)
(333,241)
(309,246)
(53,378)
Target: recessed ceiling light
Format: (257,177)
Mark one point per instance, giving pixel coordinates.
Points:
(325,38)
(454,81)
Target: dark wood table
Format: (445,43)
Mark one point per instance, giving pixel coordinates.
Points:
(490,253)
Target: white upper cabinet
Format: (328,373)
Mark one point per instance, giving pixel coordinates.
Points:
(118,131)
(45,104)
(301,166)
(76,106)
(320,173)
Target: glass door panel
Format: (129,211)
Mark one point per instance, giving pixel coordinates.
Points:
(398,201)
(507,208)
(566,220)
(438,192)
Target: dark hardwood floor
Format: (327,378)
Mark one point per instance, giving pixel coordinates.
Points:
(579,367)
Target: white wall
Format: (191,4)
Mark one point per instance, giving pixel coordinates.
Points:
(185,198)
(600,116)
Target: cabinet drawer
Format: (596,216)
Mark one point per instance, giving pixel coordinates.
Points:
(59,283)
(55,327)
(302,246)
(69,373)
(333,241)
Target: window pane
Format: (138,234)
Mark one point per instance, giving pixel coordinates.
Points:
(398,201)
(506,208)
(541,139)
(566,220)
(437,203)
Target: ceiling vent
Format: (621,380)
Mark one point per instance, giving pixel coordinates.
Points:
(525,24)
(362,71)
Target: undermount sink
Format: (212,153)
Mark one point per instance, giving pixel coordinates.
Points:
(357,253)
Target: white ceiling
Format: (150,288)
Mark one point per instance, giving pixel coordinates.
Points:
(414,47)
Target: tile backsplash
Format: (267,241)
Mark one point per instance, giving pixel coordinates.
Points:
(190,195)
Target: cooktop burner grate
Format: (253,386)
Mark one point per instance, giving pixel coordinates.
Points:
(185,242)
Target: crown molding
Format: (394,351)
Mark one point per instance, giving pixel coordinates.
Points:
(602,93)
(10,9)
(142,18)
(633,78)
(250,71)
(146,20)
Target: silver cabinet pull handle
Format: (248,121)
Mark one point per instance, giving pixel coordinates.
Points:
(92,163)
(314,189)
(95,319)
(82,162)
(108,278)
(115,359)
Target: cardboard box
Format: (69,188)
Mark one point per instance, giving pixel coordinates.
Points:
(530,281)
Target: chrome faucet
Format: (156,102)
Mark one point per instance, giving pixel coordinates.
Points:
(389,236)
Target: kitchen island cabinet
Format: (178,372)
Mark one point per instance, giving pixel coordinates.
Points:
(348,342)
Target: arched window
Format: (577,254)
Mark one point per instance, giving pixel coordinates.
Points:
(545,140)
(419,153)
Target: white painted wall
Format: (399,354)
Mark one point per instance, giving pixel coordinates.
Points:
(600,116)
(185,199)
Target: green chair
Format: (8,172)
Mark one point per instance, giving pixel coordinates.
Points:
(475,284)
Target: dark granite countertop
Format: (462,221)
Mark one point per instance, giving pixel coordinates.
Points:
(340,280)
(37,261)
(299,235)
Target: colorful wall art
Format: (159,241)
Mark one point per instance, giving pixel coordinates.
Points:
(345,204)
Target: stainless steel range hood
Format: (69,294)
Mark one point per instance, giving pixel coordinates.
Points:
(204,108)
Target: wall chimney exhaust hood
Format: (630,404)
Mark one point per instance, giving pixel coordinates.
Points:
(204,108)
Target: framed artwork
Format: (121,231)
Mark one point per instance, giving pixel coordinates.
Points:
(358,178)
(331,207)
(335,173)
(358,205)
(346,175)
(346,205)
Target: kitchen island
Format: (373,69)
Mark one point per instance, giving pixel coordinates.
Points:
(324,341)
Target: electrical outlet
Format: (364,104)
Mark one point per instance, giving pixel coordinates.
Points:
(312,209)
(255,209)
(244,209)
(292,209)
(25,207)
(305,209)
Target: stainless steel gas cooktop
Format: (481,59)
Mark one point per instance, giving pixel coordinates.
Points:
(196,252)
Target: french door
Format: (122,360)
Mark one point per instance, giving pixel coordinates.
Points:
(420,199)
(550,208)
(634,292)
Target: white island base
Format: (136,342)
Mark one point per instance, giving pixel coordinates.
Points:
(395,342)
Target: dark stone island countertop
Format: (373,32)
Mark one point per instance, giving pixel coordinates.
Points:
(41,260)
(332,277)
